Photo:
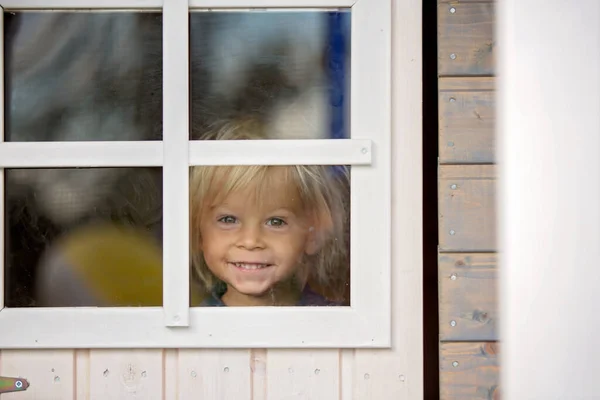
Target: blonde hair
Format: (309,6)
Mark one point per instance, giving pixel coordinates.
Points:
(323,192)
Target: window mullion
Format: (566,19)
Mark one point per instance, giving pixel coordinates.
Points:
(176,163)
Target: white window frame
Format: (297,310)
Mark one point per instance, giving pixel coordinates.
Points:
(366,323)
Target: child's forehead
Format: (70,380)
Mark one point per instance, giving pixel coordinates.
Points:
(277,188)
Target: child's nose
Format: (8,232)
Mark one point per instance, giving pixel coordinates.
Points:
(250,237)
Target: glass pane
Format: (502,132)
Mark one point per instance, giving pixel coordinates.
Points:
(83,237)
(289,70)
(270,235)
(82,76)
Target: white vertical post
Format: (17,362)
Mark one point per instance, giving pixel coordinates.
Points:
(2,194)
(549,203)
(176,162)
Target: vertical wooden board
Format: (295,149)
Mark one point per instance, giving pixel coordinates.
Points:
(466,120)
(170,374)
(50,373)
(469,371)
(126,374)
(303,374)
(468,305)
(386,374)
(467,210)
(214,374)
(466,39)
(258,365)
(82,374)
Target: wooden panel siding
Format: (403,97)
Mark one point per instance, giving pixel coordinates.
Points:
(467,212)
(465,38)
(468,296)
(466,120)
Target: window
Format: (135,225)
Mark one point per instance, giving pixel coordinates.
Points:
(162,159)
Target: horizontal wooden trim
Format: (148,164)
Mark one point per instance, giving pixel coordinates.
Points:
(468,296)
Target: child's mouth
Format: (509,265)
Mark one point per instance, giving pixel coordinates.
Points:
(249,266)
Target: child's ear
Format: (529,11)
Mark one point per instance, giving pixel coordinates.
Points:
(321,229)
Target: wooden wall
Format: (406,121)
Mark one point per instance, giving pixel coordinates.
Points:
(467,262)
(248,374)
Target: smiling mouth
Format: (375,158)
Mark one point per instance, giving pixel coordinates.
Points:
(250,266)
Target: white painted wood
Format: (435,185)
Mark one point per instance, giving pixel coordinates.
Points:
(347,374)
(370,112)
(549,191)
(80,154)
(211,327)
(126,374)
(82,374)
(282,152)
(176,115)
(313,375)
(49,372)
(258,366)
(14,5)
(261,4)
(171,374)
(150,153)
(215,374)
(398,373)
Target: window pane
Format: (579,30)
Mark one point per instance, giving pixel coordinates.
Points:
(290,70)
(270,235)
(83,237)
(82,76)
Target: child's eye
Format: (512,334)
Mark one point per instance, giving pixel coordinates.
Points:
(228,219)
(276,222)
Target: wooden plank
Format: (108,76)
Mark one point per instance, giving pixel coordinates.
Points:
(466,120)
(214,374)
(126,374)
(467,211)
(468,296)
(50,373)
(258,365)
(170,374)
(82,374)
(469,371)
(466,41)
(305,374)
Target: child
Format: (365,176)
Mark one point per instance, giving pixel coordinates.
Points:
(258,233)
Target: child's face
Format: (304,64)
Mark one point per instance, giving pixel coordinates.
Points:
(253,245)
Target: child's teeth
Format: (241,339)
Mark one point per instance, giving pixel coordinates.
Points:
(250,266)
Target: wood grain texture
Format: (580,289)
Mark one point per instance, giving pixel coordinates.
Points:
(214,374)
(467,211)
(468,35)
(126,374)
(82,374)
(469,371)
(467,120)
(468,296)
(310,374)
(50,373)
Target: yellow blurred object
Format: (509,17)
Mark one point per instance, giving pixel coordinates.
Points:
(103,265)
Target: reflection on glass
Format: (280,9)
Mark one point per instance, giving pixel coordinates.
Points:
(290,70)
(83,76)
(269,235)
(83,237)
